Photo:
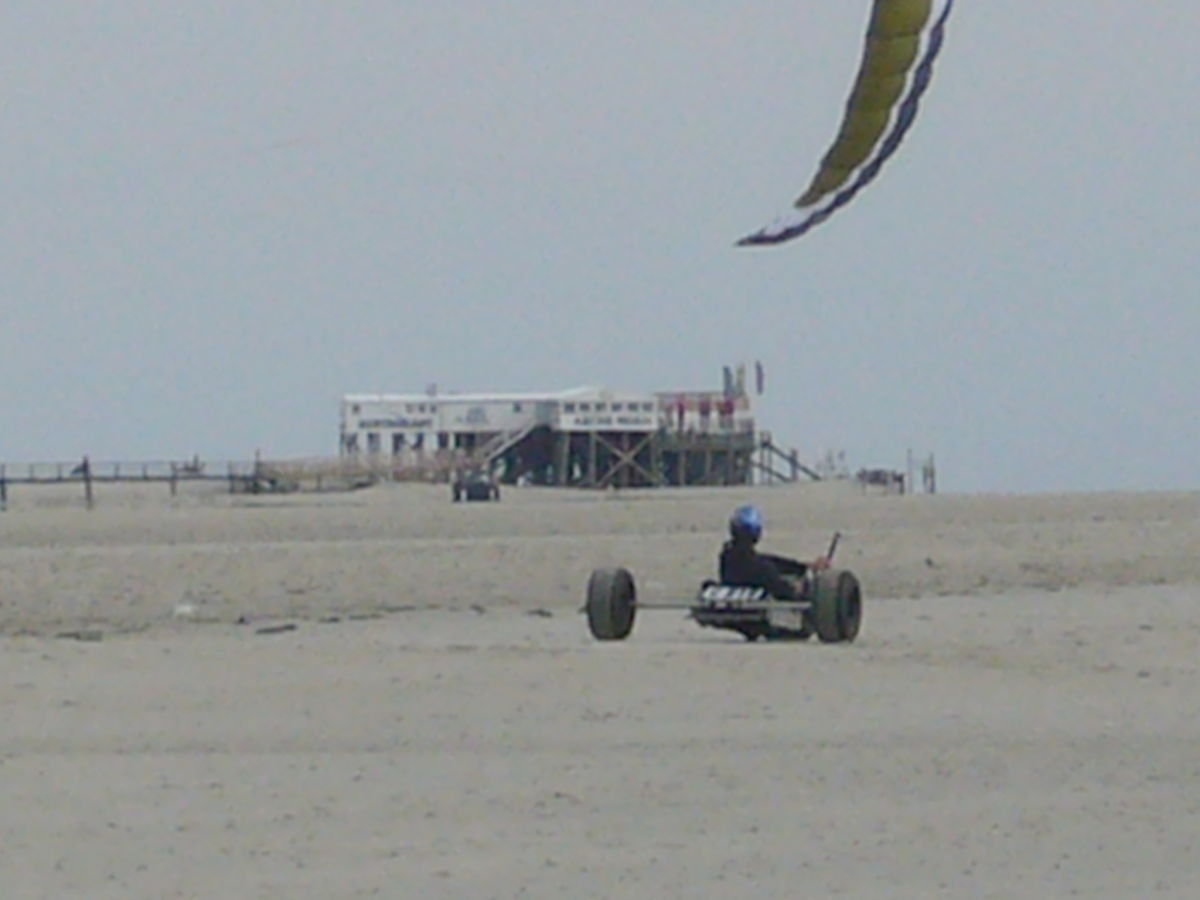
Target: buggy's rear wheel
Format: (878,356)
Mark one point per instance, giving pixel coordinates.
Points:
(611,604)
(837,606)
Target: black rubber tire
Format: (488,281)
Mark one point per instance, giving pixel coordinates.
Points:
(850,605)
(837,606)
(611,604)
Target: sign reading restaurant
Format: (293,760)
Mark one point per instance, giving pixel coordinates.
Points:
(396,422)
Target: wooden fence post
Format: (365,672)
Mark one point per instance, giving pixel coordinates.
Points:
(89,498)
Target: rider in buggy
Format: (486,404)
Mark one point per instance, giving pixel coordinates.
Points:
(742,565)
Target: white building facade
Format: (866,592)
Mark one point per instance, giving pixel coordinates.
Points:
(575,436)
(395,423)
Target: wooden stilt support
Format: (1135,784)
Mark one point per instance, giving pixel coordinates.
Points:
(626,462)
(562,463)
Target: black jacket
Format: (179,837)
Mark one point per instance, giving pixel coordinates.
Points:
(744,566)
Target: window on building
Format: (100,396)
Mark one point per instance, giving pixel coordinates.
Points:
(398,442)
(601,407)
(617,407)
(585,407)
(372,441)
(443,440)
(355,409)
(516,407)
(569,407)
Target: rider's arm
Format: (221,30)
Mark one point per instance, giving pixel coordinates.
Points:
(768,575)
(786,566)
(753,570)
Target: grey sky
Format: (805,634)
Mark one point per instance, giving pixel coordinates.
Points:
(219,217)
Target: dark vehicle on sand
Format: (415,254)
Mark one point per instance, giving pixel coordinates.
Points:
(475,486)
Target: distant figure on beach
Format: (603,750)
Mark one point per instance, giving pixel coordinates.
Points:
(742,565)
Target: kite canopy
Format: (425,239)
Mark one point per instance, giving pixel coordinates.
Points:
(903,41)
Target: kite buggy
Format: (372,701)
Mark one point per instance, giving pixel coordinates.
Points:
(827,603)
(475,486)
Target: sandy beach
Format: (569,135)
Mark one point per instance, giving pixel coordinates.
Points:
(384,694)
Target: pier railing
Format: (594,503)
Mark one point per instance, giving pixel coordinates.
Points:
(88,472)
(257,476)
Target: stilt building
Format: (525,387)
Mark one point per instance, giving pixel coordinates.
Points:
(585,437)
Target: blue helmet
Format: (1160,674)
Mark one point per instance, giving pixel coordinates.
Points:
(746,522)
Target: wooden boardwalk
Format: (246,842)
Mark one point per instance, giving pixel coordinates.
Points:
(240,476)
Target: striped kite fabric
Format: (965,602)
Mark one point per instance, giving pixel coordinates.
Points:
(903,41)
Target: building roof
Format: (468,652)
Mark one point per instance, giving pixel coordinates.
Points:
(570,394)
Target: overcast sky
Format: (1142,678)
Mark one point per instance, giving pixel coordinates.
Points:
(219,217)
